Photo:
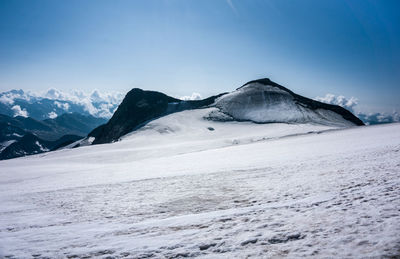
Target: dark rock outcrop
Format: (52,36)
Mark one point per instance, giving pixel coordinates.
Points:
(50,129)
(30,144)
(18,135)
(138,108)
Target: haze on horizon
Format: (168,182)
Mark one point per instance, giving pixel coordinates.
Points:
(349,48)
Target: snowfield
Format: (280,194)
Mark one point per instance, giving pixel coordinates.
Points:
(185,186)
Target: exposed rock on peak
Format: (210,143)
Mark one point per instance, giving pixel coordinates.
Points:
(137,108)
(265,101)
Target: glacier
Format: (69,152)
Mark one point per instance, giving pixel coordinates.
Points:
(187,186)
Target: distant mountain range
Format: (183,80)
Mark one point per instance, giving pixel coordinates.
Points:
(21,136)
(53,103)
(32,123)
(30,144)
(35,123)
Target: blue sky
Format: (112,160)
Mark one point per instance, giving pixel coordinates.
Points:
(349,48)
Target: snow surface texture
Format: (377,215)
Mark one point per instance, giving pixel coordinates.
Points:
(185,186)
(264,103)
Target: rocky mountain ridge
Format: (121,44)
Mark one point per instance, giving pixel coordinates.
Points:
(259,101)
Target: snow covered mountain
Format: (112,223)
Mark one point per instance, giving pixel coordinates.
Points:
(140,107)
(264,101)
(260,101)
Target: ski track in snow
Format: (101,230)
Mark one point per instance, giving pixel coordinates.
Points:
(329,195)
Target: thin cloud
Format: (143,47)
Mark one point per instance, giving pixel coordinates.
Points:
(347,103)
(194,96)
(19,112)
(231,5)
(52,115)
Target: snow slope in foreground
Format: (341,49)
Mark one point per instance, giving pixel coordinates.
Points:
(238,190)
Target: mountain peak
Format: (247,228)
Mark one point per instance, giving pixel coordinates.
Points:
(264,101)
(265,81)
(260,101)
(138,108)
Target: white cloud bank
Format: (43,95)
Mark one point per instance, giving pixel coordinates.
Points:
(52,115)
(99,104)
(340,100)
(4,99)
(96,103)
(64,106)
(351,103)
(19,112)
(194,96)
